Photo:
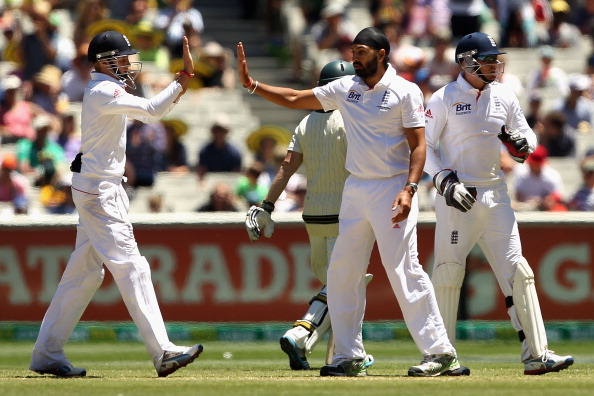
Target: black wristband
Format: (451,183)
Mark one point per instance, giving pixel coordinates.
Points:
(267,206)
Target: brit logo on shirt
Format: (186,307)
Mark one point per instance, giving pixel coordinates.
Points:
(428,114)
(462,108)
(353,96)
(117,93)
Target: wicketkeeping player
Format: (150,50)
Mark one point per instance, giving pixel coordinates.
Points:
(104,233)
(384,123)
(319,143)
(466,123)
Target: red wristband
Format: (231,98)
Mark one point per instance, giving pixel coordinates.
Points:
(186,73)
(250,83)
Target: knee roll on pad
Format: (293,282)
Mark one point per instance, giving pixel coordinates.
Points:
(525,301)
(447,281)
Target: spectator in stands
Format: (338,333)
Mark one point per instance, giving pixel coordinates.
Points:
(466,17)
(538,186)
(14,187)
(213,68)
(219,155)
(269,145)
(556,135)
(55,193)
(179,19)
(292,199)
(561,33)
(517,23)
(175,158)
(140,11)
(248,188)
(144,149)
(583,199)
(44,45)
(442,62)
(221,199)
(149,42)
(583,17)
(330,33)
(547,79)
(576,108)
(68,138)
(16,114)
(47,90)
(533,115)
(36,155)
(12,34)
(75,80)
(88,12)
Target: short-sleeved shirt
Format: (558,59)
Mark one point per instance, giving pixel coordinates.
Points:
(374,120)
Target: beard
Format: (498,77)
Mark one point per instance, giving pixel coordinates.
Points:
(368,69)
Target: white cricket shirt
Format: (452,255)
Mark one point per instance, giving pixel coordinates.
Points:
(374,120)
(461,130)
(106,106)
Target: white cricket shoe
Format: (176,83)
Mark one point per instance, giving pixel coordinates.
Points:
(547,363)
(347,367)
(297,359)
(174,360)
(436,365)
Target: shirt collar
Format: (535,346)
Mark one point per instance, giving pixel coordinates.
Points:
(466,87)
(98,76)
(384,81)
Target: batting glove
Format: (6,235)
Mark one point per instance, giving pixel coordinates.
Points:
(258,220)
(455,193)
(515,142)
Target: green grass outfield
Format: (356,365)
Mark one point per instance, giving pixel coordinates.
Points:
(261,368)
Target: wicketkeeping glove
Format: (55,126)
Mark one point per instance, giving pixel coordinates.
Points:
(258,220)
(455,193)
(515,142)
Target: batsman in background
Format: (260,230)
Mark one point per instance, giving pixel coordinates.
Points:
(466,122)
(384,123)
(104,233)
(319,143)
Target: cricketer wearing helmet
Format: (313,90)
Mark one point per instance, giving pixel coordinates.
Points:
(104,232)
(467,122)
(319,142)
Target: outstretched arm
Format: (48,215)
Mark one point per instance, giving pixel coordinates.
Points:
(286,97)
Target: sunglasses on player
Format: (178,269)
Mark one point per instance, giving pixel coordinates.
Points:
(487,58)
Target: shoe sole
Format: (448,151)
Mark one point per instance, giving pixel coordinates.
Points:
(59,373)
(556,369)
(295,361)
(326,373)
(190,360)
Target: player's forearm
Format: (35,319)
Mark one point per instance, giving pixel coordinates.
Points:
(286,97)
(417,162)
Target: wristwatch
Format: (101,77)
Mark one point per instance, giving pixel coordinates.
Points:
(414,187)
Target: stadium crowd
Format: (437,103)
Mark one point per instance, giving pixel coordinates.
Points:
(44,69)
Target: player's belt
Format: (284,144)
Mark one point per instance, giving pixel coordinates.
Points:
(324,219)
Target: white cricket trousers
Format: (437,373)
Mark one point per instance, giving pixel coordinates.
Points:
(491,223)
(104,236)
(365,216)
